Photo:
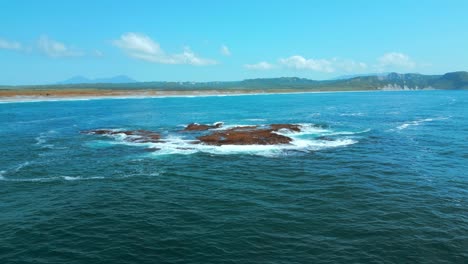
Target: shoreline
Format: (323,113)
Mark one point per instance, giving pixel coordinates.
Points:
(29,96)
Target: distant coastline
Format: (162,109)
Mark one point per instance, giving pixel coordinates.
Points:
(389,82)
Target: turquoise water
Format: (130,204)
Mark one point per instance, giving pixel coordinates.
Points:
(389,185)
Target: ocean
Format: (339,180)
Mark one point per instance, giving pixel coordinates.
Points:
(373,177)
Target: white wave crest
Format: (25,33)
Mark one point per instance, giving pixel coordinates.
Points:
(255,119)
(71,178)
(41,140)
(353,114)
(22,165)
(419,122)
(338,133)
(48,179)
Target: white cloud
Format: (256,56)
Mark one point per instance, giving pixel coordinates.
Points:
(55,49)
(10,45)
(321,65)
(388,61)
(97,53)
(396,59)
(225,50)
(259,66)
(142,47)
(300,63)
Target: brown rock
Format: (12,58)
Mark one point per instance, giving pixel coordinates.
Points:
(98,132)
(201,127)
(295,128)
(245,136)
(152,149)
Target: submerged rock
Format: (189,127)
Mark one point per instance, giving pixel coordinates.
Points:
(152,149)
(325,138)
(251,135)
(202,127)
(138,136)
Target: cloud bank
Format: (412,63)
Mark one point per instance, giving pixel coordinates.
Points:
(10,45)
(388,61)
(56,49)
(298,62)
(142,47)
(396,59)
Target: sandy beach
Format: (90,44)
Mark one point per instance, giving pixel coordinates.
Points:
(32,95)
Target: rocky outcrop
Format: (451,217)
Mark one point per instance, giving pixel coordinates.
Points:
(201,127)
(251,135)
(138,136)
(245,135)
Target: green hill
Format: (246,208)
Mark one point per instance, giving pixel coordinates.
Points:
(391,81)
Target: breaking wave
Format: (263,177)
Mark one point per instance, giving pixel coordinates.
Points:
(46,179)
(419,122)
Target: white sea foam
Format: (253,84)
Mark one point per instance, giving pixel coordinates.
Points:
(419,122)
(338,133)
(48,179)
(41,140)
(178,145)
(353,114)
(224,127)
(71,178)
(306,129)
(22,165)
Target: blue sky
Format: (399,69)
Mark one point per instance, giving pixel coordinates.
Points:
(49,41)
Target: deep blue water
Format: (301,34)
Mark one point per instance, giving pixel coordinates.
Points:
(390,187)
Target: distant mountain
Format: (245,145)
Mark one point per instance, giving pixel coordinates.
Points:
(81,79)
(75,80)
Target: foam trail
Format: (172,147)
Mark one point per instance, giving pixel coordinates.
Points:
(353,114)
(49,179)
(346,133)
(40,140)
(71,178)
(31,179)
(22,165)
(419,122)
(185,147)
